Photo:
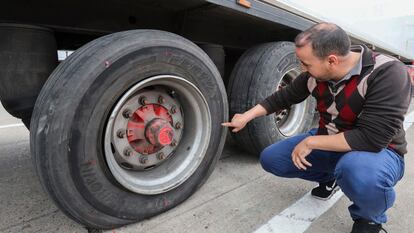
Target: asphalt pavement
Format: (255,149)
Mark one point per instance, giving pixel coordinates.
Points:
(238,197)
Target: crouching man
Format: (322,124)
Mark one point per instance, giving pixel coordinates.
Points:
(359,146)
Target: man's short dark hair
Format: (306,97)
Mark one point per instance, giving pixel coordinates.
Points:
(326,39)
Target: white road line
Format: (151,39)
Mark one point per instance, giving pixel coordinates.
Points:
(11,126)
(298,217)
(409,120)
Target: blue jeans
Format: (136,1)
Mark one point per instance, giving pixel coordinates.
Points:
(366,178)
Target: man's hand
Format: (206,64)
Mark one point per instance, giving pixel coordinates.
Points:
(238,122)
(299,155)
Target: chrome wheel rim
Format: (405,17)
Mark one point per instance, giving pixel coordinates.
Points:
(288,121)
(157,134)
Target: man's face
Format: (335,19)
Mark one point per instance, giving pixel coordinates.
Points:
(318,68)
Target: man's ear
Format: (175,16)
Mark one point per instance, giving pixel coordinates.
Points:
(333,60)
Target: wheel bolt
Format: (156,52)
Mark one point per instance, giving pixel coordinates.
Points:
(127,152)
(143,100)
(178,125)
(173,143)
(121,133)
(127,113)
(173,109)
(161,100)
(143,160)
(161,156)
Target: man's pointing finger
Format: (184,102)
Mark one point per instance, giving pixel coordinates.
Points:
(226,124)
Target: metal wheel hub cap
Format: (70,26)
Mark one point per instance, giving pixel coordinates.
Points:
(147,133)
(150,147)
(158,133)
(150,135)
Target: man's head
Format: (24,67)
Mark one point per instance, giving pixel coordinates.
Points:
(322,49)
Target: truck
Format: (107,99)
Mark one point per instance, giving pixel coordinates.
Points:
(129,125)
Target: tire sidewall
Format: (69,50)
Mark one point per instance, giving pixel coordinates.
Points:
(81,159)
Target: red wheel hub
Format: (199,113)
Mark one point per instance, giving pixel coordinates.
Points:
(158,132)
(149,129)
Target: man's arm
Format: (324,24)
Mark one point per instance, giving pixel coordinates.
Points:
(334,142)
(294,93)
(386,102)
(240,120)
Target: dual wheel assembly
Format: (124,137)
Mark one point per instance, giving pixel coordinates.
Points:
(129,125)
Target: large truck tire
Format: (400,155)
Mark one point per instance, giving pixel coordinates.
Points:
(258,73)
(128,127)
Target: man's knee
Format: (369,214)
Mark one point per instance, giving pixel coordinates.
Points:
(272,161)
(266,159)
(365,183)
(355,175)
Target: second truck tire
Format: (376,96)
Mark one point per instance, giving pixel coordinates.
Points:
(259,72)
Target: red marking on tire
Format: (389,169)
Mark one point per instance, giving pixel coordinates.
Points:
(166,202)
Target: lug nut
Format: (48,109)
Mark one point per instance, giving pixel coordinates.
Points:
(161,100)
(161,156)
(173,109)
(121,133)
(143,160)
(178,125)
(143,100)
(127,113)
(127,152)
(173,143)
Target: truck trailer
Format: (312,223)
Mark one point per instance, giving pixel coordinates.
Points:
(129,125)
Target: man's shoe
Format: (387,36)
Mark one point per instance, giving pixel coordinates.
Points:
(325,190)
(365,226)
